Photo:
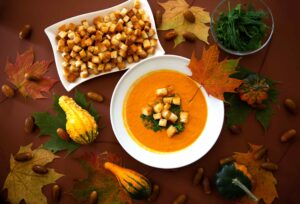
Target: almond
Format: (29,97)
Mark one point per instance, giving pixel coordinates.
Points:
(170,35)
(189,16)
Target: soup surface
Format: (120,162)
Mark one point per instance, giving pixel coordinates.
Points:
(143,91)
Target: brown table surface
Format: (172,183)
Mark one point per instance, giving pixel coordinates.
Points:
(280,62)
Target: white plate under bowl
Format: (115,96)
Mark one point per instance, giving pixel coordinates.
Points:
(188,155)
(51,32)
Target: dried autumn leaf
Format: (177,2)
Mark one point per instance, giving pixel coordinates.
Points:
(98,179)
(23,183)
(173,19)
(264,183)
(214,75)
(24,65)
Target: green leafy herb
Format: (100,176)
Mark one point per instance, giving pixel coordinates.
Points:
(150,123)
(241,29)
(239,110)
(179,126)
(49,123)
(176,109)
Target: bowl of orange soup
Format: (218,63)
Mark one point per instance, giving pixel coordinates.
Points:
(162,117)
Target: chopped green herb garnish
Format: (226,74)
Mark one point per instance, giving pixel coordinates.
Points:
(175,109)
(179,126)
(150,123)
(241,29)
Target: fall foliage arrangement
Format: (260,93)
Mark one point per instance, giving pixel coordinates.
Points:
(246,177)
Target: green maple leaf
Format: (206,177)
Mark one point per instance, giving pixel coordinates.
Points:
(98,179)
(48,124)
(23,183)
(238,110)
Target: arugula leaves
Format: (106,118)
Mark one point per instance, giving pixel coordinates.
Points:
(241,29)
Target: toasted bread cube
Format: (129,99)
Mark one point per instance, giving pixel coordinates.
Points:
(171,131)
(129,25)
(130,59)
(158,107)
(134,19)
(100,67)
(137,4)
(112,16)
(146,44)
(108,67)
(173,117)
(119,27)
(167,106)
(184,117)
(176,100)
(77,39)
(166,114)
(136,58)
(91,29)
(82,54)
(121,65)
(124,12)
(141,23)
(114,54)
(153,42)
(147,111)
(161,92)
(96,59)
(73,68)
(157,116)
(122,53)
(151,32)
(112,28)
(73,54)
(162,122)
(106,19)
(62,34)
(168,99)
(151,50)
(78,63)
(83,66)
(142,53)
(85,24)
(84,74)
(144,34)
(104,29)
(77,48)
(126,19)
(91,65)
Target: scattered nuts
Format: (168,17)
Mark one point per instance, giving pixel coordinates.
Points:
(29,125)
(235,129)
(25,32)
(170,35)
(31,77)
(24,156)
(155,193)
(39,169)
(259,154)
(206,185)
(56,192)
(7,91)
(191,37)
(288,135)
(189,16)
(269,166)
(290,105)
(226,160)
(158,18)
(62,134)
(95,96)
(181,199)
(93,197)
(198,176)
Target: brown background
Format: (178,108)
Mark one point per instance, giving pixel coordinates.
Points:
(280,61)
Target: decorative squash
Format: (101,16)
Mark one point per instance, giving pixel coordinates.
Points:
(254,90)
(81,126)
(135,184)
(234,181)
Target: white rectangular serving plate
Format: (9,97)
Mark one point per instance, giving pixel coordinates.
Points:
(52,30)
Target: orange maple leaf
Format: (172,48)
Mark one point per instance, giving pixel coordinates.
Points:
(25,65)
(264,183)
(214,75)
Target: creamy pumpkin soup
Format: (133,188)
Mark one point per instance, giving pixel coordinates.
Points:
(159,114)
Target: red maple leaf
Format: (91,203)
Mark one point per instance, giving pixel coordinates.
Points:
(24,65)
(214,75)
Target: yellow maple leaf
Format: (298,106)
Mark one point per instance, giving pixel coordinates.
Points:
(23,183)
(173,19)
(264,183)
